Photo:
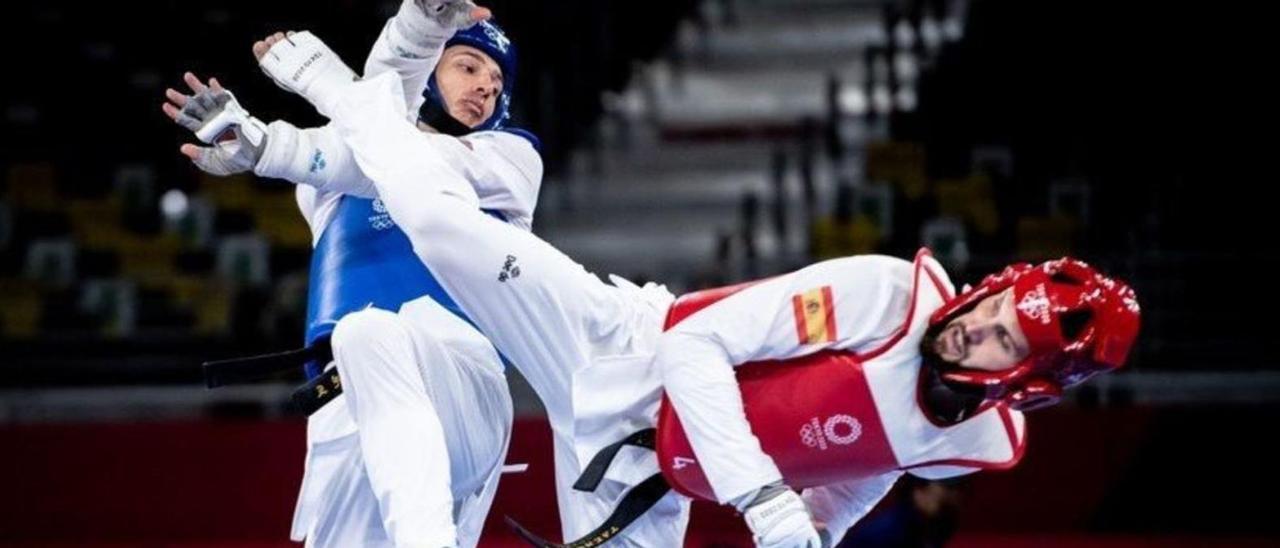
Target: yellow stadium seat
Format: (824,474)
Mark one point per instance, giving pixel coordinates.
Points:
(899,163)
(209,300)
(1044,238)
(32,186)
(830,238)
(970,199)
(20,316)
(235,192)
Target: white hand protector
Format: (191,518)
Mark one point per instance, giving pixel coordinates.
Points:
(779,519)
(304,65)
(210,114)
(450,14)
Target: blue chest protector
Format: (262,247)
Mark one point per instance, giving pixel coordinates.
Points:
(363,259)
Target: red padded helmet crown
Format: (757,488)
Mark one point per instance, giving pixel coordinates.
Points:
(1078,323)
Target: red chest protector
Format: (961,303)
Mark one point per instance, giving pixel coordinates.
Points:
(814,416)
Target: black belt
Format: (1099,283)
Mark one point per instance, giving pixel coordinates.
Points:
(599,464)
(319,391)
(309,398)
(634,504)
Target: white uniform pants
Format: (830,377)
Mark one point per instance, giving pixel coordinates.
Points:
(410,454)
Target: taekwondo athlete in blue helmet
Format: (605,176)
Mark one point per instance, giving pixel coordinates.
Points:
(410,452)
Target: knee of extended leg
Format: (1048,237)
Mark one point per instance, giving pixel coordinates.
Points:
(363,327)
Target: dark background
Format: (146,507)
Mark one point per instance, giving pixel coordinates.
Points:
(1155,105)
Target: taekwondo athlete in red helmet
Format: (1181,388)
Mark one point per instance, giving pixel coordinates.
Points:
(874,369)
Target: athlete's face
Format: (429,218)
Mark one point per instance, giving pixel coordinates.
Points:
(986,337)
(470,83)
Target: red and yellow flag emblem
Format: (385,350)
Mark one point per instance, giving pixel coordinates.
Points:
(815,316)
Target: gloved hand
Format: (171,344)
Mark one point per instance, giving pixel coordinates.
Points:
(210,113)
(301,63)
(451,14)
(429,23)
(778,518)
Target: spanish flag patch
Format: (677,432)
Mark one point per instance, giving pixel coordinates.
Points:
(815,316)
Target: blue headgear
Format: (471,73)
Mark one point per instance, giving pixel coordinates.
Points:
(490,39)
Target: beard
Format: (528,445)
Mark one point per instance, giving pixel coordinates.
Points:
(946,402)
(929,347)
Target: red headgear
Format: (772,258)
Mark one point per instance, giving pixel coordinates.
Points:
(1101,313)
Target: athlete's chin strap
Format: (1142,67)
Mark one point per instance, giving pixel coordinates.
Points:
(946,403)
(434,114)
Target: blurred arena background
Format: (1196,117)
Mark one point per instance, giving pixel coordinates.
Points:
(691,142)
